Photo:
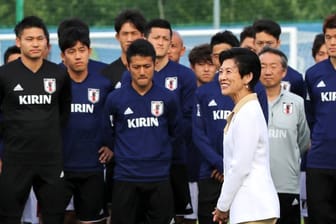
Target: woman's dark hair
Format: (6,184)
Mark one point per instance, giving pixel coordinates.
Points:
(247,62)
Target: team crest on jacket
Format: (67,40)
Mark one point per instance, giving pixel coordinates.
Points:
(287,108)
(93,95)
(285,85)
(157,108)
(171,83)
(49,85)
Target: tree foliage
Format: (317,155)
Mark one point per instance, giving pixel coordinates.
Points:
(179,12)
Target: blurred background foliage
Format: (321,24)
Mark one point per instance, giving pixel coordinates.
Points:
(181,13)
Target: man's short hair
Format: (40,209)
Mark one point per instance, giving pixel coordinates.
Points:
(226,37)
(132,16)
(31,22)
(142,48)
(329,22)
(72,22)
(268,26)
(9,51)
(70,36)
(283,57)
(318,42)
(158,23)
(200,54)
(248,31)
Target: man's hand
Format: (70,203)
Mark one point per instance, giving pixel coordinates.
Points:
(220,216)
(217,175)
(105,154)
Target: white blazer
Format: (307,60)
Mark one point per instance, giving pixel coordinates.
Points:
(248,190)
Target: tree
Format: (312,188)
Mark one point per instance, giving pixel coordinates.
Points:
(178,12)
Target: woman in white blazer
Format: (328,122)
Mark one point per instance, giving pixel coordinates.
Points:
(248,194)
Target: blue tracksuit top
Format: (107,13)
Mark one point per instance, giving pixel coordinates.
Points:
(82,137)
(140,129)
(321,109)
(182,81)
(296,81)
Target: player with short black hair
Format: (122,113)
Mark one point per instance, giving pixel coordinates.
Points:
(321,104)
(319,49)
(182,81)
(35,97)
(84,151)
(129,26)
(222,41)
(267,33)
(247,38)
(141,119)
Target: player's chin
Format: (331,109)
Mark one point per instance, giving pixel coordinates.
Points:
(143,81)
(332,53)
(206,78)
(35,56)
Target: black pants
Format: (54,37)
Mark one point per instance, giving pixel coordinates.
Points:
(88,191)
(321,196)
(181,192)
(142,202)
(208,194)
(15,184)
(289,209)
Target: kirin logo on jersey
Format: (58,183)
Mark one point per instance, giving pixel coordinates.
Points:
(171,83)
(287,108)
(49,85)
(157,108)
(93,95)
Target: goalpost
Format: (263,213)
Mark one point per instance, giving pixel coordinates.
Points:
(290,31)
(107,49)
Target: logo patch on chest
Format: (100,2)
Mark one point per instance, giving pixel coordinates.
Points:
(49,85)
(287,108)
(171,83)
(157,108)
(93,95)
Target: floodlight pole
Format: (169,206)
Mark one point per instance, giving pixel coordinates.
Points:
(216,14)
(19,10)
